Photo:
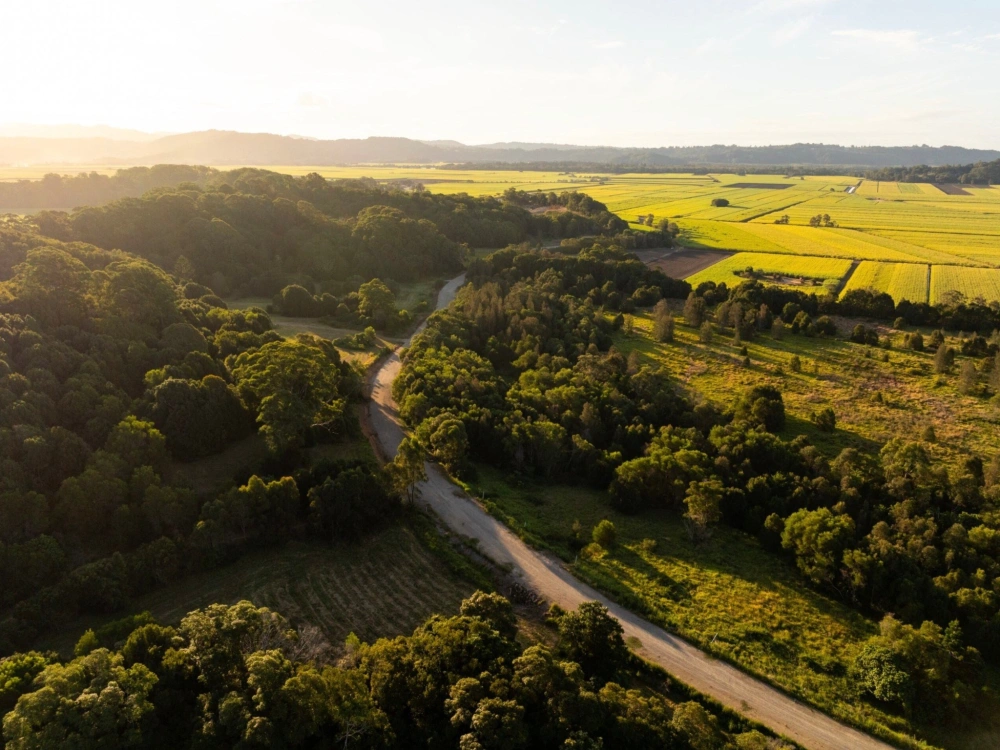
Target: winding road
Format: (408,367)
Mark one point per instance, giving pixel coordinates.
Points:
(548,578)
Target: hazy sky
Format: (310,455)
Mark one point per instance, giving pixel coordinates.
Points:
(892,72)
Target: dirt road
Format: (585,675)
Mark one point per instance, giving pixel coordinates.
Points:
(548,578)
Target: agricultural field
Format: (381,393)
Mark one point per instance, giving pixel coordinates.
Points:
(382,585)
(901,281)
(975,283)
(806,273)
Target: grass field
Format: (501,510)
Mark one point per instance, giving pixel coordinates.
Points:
(289,326)
(729,596)
(874,400)
(808,274)
(410,297)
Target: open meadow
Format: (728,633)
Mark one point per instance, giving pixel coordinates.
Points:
(876,394)
(809,274)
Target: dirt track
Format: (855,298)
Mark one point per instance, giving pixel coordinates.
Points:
(548,578)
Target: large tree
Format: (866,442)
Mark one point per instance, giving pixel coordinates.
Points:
(292,385)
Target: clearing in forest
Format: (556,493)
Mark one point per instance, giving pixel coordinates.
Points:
(384,584)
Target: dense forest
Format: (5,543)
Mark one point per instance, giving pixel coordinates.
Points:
(520,372)
(252,232)
(980,173)
(112,368)
(241,676)
(108,372)
(93,189)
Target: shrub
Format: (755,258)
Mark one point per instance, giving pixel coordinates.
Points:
(863,335)
(881,672)
(968,378)
(825,419)
(824,326)
(296,301)
(604,534)
(914,341)
(694,310)
(593,638)
(663,322)
(944,358)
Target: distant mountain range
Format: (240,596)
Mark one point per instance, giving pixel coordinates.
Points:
(102,145)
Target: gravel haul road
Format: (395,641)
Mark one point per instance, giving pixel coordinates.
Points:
(546,576)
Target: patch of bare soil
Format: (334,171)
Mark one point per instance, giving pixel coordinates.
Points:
(548,210)
(952,189)
(679,264)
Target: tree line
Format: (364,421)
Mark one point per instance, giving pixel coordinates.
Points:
(980,173)
(91,189)
(243,676)
(954,313)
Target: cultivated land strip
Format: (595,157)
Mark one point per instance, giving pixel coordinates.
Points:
(549,579)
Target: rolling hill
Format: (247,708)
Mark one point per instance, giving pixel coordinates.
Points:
(230,147)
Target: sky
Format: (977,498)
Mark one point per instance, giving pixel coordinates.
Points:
(755,72)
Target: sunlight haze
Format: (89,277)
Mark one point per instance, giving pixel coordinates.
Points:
(667,73)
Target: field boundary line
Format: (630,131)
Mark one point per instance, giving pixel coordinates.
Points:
(847,277)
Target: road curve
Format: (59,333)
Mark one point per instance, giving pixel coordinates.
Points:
(549,579)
